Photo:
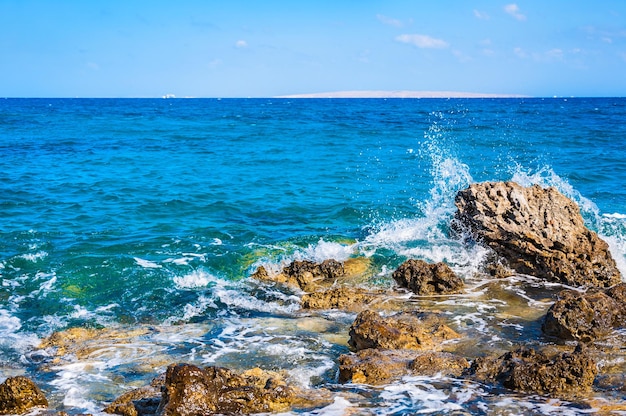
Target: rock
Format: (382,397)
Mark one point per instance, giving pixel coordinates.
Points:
(375,366)
(587,316)
(427,279)
(539,231)
(139,402)
(19,394)
(404,330)
(344,298)
(305,275)
(530,371)
(190,390)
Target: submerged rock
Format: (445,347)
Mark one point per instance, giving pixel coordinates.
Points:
(531,371)
(139,402)
(404,330)
(539,231)
(376,366)
(19,395)
(427,279)
(587,316)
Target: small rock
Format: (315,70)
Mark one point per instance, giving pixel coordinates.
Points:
(427,279)
(19,395)
(344,298)
(401,331)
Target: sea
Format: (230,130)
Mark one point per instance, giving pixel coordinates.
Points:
(142,221)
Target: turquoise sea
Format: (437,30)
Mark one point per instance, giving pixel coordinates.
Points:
(150,215)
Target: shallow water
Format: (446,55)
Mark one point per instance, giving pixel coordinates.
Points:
(145,218)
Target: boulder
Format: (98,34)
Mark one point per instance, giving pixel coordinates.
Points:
(305,275)
(539,232)
(191,390)
(531,371)
(405,330)
(587,316)
(19,395)
(139,402)
(427,279)
(344,298)
(376,366)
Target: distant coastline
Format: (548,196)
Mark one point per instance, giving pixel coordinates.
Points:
(400,94)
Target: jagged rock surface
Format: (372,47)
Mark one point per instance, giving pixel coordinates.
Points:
(344,298)
(427,279)
(539,231)
(19,395)
(400,331)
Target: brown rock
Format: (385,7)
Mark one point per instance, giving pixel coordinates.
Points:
(539,231)
(375,366)
(19,395)
(190,390)
(137,402)
(305,275)
(531,371)
(345,298)
(582,316)
(427,279)
(401,331)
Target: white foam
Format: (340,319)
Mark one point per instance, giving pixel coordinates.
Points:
(615,215)
(34,257)
(147,264)
(339,407)
(325,250)
(196,279)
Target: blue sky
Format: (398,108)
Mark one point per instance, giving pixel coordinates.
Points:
(238,48)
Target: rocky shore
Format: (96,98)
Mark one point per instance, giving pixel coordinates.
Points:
(531,231)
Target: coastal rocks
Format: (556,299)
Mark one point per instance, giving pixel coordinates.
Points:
(587,316)
(404,330)
(539,231)
(427,279)
(344,298)
(375,366)
(138,402)
(19,395)
(305,275)
(531,371)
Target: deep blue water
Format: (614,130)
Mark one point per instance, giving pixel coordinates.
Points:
(144,211)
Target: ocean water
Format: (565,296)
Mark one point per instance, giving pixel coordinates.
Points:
(144,219)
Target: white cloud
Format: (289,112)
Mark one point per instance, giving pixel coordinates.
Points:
(481,15)
(520,53)
(389,20)
(241,44)
(422,41)
(556,54)
(513,10)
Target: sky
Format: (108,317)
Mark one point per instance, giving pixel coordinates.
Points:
(266,48)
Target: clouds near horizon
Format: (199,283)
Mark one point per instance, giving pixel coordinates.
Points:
(422,41)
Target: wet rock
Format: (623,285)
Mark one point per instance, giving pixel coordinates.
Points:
(405,330)
(190,390)
(376,366)
(531,371)
(427,279)
(19,395)
(306,275)
(587,316)
(344,298)
(539,232)
(139,402)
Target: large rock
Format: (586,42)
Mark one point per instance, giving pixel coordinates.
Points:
(404,330)
(191,391)
(375,366)
(427,279)
(539,231)
(19,395)
(139,402)
(587,316)
(531,371)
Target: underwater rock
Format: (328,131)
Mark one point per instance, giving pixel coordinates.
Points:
(376,366)
(532,371)
(405,330)
(427,279)
(539,232)
(306,275)
(344,298)
(139,402)
(587,316)
(191,390)
(19,394)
